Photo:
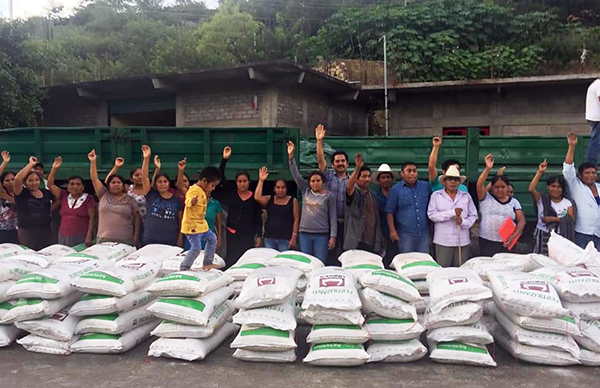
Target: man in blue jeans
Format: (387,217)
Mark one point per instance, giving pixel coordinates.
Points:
(592,115)
(406,211)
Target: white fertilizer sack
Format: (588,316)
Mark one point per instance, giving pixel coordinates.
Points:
(169,329)
(50,283)
(331,287)
(173,263)
(422,305)
(337,354)
(387,329)
(109,251)
(460,313)
(4,287)
(240,271)
(573,284)
(482,265)
(564,251)
(356,258)
(92,304)
(347,334)
(264,339)
(587,311)
(451,285)
(5,307)
(113,343)
(59,327)
(389,282)
(396,351)
(386,305)
(16,267)
(37,344)
(157,252)
(251,254)
(57,250)
(189,283)
(301,261)
(10,250)
(332,317)
(526,295)
(268,286)
(190,311)
(414,265)
(475,333)
(280,317)
(254,356)
(190,349)
(589,358)
(590,335)
(8,334)
(27,309)
(461,353)
(115,323)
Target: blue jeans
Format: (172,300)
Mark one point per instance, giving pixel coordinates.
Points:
(594,148)
(583,239)
(413,243)
(277,244)
(315,244)
(196,247)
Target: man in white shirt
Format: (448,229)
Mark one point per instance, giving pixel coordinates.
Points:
(592,115)
(585,192)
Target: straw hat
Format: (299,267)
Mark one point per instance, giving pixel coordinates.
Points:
(452,171)
(383,168)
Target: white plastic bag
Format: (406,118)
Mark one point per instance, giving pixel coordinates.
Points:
(475,333)
(331,287)
(190,311)
(319,316)
(190,349)
(500,262)
(59,327)
(92,304)
(8,334)
(267,287)
(301,261)
(461,353)
(389,282)
(27,309)
(264,339)
(280,317)
(526,295)
(414,265)
(451,285)
(251,355)
(455,314)
(37,344)
(564,251)
(347,334)
(396,351)
(385,305)
(387,329)
(113,343)
(359,259)
(563,325)
(169,329)
(115,323)
(189,283)
(337,354)
(573,284)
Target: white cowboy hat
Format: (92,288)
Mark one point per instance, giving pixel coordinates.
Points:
(383,168)
(452,171)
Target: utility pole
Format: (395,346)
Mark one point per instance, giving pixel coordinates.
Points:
(385,87)
(10,9)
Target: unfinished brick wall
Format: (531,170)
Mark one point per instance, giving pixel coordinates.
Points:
(71,111)
(196,108)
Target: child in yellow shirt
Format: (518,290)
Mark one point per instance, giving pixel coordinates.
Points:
(194,225)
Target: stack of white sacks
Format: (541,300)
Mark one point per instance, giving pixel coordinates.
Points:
(173,263)
(456,333)
(267,308)
(113,316)
(195,309)
(46,295)
(251,260)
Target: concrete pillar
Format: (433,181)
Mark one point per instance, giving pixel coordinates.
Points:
(268,107)
(179,111)
(102,118)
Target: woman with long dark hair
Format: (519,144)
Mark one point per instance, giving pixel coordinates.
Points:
(555,212)
(8,210)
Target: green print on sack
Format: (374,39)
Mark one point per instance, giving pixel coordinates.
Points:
(342,327)
(250,266)
(390,321)
(425,263)
(104,317)
(392,275)
(94,297)
(27,302)
(102,276)
(98,336)
(177,276)
(461,347)
(364,266)
(37,279)
(299,258)
(336,346)
(266,331)
(188,303)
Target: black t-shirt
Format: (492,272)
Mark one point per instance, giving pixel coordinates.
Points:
(32,212)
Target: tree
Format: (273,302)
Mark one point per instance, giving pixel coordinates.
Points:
(20,87)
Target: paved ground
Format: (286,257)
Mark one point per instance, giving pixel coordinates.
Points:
(22,369)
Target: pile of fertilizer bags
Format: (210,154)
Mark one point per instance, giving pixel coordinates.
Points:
(43,296)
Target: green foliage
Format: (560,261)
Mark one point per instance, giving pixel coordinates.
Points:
(20,87)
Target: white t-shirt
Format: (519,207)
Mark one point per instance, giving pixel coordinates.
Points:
(493,215)
(592,104)
(561,208)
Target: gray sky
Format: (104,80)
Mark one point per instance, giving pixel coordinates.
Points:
(25,8)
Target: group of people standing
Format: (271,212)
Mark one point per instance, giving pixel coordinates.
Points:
(339,209)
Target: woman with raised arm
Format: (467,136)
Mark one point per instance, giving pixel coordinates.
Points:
(77,209)
(8,210)
(318,224)
(244,222)
(163,209)
(495,206)
(33,208)
(283,214)
(118,213)
(555,212)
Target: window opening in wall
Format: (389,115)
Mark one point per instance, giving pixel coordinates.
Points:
(462,131)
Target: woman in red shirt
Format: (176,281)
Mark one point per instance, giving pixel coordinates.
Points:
(77,209)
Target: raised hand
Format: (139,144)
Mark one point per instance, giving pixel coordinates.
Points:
(92,156)
(181,164)
(5,156)
(119,162)
(572,139)
(57,162)
(157,163)
(437,141)
(543,166)
(489,161)
(146,152)
(226,152)
(32,160)
(263,174)
(320,132)
(290,149)
(501,170)
(359,161)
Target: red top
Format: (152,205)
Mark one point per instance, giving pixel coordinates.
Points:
(74,219)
